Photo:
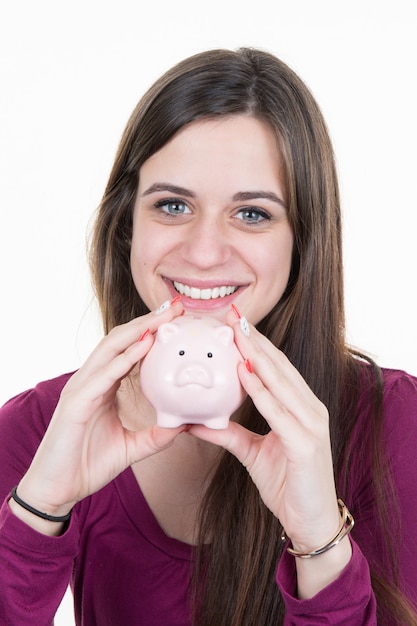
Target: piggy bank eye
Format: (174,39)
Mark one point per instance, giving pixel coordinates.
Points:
(209,354)
(181,352)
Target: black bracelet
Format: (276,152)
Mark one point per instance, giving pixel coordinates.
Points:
(50,518)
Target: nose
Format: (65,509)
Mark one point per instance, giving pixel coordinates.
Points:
(193,374)
(207,243)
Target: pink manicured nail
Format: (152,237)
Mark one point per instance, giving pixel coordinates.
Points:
(144,335)
(248,365)
(236,311)
(175,300)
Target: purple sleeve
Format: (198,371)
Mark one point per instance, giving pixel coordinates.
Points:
(348,601)
(34,569)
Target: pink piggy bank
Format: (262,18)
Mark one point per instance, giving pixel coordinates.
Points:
(190,373)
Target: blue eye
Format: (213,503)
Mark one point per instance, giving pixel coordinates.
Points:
(252,215)
(172,207)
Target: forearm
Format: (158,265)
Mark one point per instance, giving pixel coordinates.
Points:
(318,572)
(52,529)
(35,570)
(347,601)
(319,566)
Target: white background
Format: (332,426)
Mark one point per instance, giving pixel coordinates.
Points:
(70,74)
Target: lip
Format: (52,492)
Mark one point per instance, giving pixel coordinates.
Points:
(203,284)
(212,304)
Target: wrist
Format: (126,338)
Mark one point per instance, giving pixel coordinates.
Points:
(46,519)
(320,566)
(316,573)
(51,529)
(346,523)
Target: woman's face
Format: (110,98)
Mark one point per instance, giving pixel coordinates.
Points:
(210,221)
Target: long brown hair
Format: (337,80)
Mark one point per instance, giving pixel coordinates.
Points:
(307,323)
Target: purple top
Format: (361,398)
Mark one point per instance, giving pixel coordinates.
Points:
(125,570)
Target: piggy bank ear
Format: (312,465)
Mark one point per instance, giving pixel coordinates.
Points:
(224,334)
(166,331)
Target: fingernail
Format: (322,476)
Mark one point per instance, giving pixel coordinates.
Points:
(144,335)
(248,365)
(244,326)
(175,300)
(164,306)
(236,311)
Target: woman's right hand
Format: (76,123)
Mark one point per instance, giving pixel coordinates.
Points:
(86,445)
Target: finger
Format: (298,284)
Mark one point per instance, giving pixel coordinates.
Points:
(241,442)
(104,381)
(248,337)
(298,443)
(148,442)
(121,337)
(279,376)
(280,419)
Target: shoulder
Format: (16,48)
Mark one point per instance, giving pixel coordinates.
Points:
(40,402)
(400,383)
(397,422)
(399,389)
(386,415)
(400,408)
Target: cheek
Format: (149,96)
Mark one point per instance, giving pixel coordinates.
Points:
(144,244)
(277,259)
(273,272)
(286,255)
(141,260)
(149,249)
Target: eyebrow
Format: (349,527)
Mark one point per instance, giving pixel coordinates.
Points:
(240,196)
(180,191)
(254,195)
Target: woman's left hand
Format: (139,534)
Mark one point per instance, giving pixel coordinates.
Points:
(291,465)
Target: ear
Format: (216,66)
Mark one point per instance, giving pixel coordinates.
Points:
(224,334)
(166,331)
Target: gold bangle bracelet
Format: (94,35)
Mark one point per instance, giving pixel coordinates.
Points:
(346,524)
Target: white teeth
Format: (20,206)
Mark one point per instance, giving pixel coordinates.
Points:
(204,294)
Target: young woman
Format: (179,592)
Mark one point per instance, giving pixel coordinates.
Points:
(223,200)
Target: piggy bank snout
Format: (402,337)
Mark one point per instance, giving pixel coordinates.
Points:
(193,373)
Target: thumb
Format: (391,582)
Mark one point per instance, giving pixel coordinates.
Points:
(152,440)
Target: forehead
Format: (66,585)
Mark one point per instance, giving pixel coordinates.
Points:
(231,147)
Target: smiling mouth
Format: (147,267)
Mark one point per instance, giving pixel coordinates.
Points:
(205,294)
